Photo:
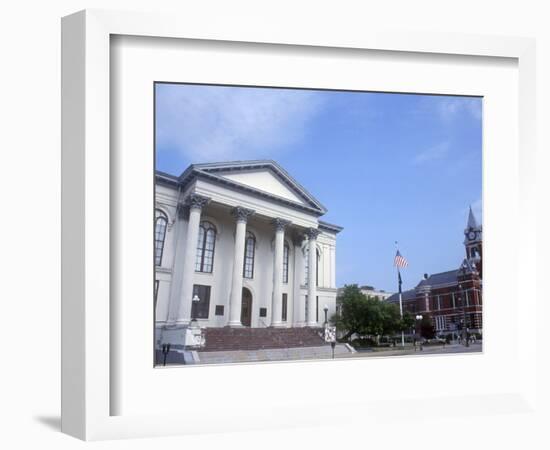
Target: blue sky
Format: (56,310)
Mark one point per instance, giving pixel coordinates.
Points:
(387,166)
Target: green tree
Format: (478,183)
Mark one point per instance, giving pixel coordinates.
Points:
(391,318)
(408,321)
(375,318)
(427,329)
(365,315)
(352,311)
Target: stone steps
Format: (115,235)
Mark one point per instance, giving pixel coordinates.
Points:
(229,339)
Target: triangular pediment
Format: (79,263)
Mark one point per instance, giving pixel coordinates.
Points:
(265,177)
(263,180)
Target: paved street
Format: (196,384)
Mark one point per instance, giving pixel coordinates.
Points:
(308,353)
(439,350)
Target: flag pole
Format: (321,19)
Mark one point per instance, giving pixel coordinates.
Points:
(401,307)
(400,300)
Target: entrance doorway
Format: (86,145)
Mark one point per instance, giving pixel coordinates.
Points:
(246,308)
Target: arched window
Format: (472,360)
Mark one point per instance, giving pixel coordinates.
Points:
(306,267)
(204,261)
(161,221)
(286,253)
(249,250)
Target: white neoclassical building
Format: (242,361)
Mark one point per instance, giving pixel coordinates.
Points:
(245,238)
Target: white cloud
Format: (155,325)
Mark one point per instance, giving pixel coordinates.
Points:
(209,123)
(438,151)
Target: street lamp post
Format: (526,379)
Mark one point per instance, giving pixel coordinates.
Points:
(419,318)
(330,333)
(194,337)
(194,307)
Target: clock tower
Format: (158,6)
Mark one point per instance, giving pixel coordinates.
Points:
(473,240)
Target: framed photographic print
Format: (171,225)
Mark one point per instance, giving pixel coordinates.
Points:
(233,237)
(249,217)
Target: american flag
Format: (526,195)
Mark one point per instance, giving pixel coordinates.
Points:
(399,261)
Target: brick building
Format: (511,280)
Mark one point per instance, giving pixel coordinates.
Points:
(454,297)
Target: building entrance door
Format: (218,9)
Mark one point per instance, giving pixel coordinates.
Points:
(246,308)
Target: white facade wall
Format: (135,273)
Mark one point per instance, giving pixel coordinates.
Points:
(218,212)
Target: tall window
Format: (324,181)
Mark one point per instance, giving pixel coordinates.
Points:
(249,249)
(160,233)
(286,252)
(205,248)
(201,308)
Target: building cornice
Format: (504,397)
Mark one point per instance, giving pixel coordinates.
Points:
(166,179)
(326,289)
(325,226)
(210,172)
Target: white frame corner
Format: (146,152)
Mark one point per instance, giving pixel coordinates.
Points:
(86,174)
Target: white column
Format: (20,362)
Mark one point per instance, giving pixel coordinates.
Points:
(277,299)
(325,258)
(312,234)
(177,267)
(235,299)
(332,267)
(184,264)
(298,303)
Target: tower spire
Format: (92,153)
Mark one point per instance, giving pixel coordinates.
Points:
(472,222)
(473,241)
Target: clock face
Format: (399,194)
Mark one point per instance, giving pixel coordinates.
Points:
(471,235)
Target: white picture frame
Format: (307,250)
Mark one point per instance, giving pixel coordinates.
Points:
(87,325)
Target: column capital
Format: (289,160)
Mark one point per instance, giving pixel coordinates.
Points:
(280,224)
(298,239)
(196,201)
(241,214)
(312,233)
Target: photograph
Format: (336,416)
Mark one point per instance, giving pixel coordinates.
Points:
(295,224)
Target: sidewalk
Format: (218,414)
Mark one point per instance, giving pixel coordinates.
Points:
(428,350)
